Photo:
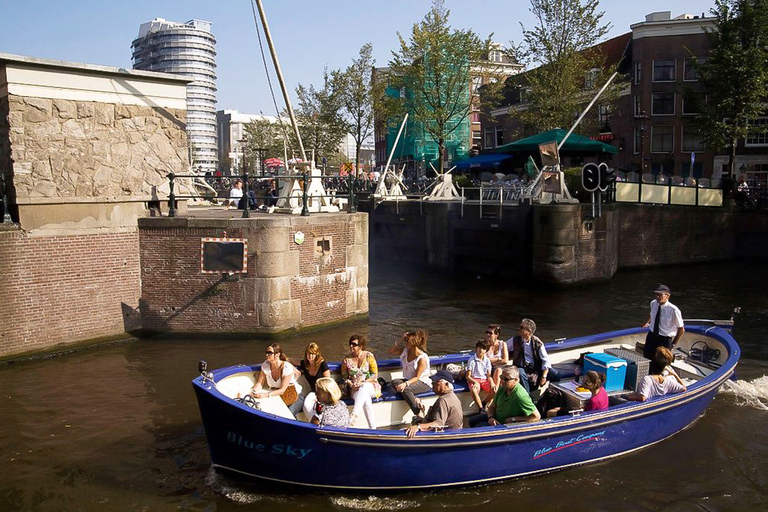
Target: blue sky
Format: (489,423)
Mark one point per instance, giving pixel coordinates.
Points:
(309,34)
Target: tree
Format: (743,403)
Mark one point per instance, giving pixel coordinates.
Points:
(561,44)
(433,72)
(266,135)
(320,125)
(735,74)
(356,91)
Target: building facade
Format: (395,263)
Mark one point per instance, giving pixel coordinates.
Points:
(186,49)
(416,149)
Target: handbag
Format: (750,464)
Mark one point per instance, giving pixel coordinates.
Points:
(290,395)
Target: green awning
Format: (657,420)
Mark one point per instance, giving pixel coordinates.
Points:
(575,143)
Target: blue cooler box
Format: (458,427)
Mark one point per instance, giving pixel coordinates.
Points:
(615,369)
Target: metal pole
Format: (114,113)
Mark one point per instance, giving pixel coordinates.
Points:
(586,110)
(6,215)
(304,198)
(171,196)
(279,73)
(246,199)
(397,139)
(352,208)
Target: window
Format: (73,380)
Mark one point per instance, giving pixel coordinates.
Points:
(690,74)
(638,71)
(637,110)
(758,132)
(636,148)
(663,104)
(693,103)
(477,81)
(496,56)
(591,78)
(490,135)
(664,70)
(662,139)
(692,138)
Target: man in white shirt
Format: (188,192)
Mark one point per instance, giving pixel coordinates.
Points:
(665,322)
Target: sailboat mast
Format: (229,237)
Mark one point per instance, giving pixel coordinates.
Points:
(279,72)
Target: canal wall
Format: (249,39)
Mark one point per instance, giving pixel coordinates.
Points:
(85,150)
(561,244)
(317,278)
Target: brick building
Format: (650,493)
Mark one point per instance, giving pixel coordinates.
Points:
(652,122)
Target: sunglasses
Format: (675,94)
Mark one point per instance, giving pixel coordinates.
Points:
(507,379)
(270,353)
(489,332)
(353,344)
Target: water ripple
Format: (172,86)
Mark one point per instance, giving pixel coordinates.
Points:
(752,393)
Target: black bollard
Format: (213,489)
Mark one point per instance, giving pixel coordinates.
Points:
(304,198)
(171,196)
(352,208)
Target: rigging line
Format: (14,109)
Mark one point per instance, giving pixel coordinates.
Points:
(269,81)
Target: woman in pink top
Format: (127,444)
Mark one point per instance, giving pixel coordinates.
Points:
(594,382)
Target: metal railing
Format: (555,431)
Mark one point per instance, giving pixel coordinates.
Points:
(348,186)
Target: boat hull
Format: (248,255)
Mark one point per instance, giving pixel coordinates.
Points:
(264,446)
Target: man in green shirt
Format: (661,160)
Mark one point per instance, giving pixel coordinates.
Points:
(512,402)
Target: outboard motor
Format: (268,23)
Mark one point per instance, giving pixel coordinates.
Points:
(202,368)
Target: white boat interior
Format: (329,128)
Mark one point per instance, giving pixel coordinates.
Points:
(696,357)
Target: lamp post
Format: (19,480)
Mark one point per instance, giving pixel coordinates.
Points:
(246,199)
(641,120)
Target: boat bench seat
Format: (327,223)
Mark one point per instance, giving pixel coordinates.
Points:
(459,386)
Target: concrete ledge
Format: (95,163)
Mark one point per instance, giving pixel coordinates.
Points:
(276,264)
(555,273)
(269,239)
(357,300)
(357,255)
(555,236)
(556,254)
(282,313)
(266,289)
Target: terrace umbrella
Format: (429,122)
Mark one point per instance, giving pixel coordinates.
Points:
(273,163)
(575,143)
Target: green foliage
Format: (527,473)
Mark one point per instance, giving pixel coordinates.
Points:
(320,124)
(570,71)
(573,182)
(266,135)
(433,71)
(736,72)
(356,92)
(462,181)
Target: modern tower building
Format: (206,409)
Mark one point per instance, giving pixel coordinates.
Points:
(186,49)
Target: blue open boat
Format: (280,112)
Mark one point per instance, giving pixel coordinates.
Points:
(260,444)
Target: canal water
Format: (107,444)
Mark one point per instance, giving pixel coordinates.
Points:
(116,427)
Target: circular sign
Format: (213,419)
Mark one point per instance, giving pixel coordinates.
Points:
(298,237)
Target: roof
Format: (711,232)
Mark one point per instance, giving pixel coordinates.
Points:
(486,161)
(574,143)
(25,61)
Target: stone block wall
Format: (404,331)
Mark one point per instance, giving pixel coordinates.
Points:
(287,285)
(74,150)
(56,291)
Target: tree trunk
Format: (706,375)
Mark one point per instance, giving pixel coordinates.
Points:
(440,154)
(357,157)
(732,159)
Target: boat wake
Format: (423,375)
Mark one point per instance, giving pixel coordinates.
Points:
(373,503)
(752,393)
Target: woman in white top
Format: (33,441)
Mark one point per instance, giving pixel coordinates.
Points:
(280,378)
(415,370)
(498,353)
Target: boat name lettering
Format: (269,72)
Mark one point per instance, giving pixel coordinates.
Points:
(275,449)
(581,438)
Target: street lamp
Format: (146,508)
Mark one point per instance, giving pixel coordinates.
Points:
(641,119)
(246,202)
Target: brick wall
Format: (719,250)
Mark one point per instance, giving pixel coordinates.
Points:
(287,285)
(61,290)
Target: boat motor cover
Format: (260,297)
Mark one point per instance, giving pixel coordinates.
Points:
(614,368)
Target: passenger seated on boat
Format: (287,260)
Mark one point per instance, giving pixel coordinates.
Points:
(595,382)
(511,404)
(530,356)
(667,382)
(480,374)
(360,373)
(280,378)
(330,411)
(446,412)
(313,367)
(416,370)
(498,353)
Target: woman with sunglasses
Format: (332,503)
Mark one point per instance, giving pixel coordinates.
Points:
(360,373)
(280,378)
(498,353)
(415,370)
(313,367)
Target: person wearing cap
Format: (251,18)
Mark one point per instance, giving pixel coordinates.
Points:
(446,411)
(665,323)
